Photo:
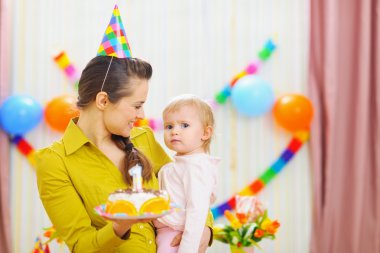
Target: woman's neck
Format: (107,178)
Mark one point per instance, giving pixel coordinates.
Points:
(91,124)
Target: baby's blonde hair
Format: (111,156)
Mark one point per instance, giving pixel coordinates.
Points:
(204,111)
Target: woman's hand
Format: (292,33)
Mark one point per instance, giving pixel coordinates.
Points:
(176,240)
(122,226)
(205,239)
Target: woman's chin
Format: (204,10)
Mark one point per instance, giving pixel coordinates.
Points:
(125,133)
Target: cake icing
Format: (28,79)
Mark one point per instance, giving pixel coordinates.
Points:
(134,203)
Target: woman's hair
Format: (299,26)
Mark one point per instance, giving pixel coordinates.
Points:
(204,112)
(117,84)
(117,81)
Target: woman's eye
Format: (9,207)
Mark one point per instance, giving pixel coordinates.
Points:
(184,125)
(138,107)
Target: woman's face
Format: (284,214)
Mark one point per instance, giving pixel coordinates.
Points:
(120,117)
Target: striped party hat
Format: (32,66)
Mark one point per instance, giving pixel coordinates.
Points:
(115,42)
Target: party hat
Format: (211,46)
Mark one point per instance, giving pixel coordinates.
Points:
(115,42)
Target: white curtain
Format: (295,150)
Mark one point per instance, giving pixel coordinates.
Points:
(195,47)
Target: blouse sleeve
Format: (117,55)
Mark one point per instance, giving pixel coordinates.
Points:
(198,190)
(66,210)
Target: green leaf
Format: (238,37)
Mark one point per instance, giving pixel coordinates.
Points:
(224,240)
(249,231)
(254,243)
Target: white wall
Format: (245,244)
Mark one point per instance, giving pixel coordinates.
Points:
(195,47)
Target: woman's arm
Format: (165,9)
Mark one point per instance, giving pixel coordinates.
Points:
(206,239)
(66,210)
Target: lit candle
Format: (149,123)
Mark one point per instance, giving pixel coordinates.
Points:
(135,172)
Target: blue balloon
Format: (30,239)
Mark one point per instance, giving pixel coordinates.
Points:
(19,114)
(252,96)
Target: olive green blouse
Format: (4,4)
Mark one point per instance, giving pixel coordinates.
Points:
(74,176)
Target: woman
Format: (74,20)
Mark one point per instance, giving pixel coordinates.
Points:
(94,155)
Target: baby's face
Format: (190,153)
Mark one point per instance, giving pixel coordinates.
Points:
(183,131)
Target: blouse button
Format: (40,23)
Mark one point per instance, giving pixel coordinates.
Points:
(141,226)
(150,241)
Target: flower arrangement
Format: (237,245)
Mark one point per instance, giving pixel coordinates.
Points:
(43,247)
(248,225)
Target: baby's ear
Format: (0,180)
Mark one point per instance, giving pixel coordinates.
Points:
(207,133)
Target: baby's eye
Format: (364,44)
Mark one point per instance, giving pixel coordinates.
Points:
(168,127)
(184,125)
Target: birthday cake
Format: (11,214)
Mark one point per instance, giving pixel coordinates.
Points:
(136,203)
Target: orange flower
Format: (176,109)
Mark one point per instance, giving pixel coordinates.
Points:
(259,233)
(242,217)
(52,234)
(276,224)
(235,223)
(48,233)
(266,223)
(272,228)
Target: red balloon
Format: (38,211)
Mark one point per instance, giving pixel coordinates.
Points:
(293,112)
(59,111)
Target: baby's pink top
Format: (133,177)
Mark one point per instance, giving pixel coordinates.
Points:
(191,183)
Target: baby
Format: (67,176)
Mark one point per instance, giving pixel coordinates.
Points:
(191,179)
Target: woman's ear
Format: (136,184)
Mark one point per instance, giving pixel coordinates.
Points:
(207,133)
(101,100)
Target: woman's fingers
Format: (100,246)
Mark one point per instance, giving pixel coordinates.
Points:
(206,235)
(176,240)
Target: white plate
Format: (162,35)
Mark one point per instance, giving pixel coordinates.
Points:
(122,216)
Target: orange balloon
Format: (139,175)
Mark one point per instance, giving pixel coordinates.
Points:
(293,112)
(59,111)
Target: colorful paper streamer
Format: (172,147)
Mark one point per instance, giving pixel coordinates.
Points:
(64,63)
(257,185)
(250,69)
(225,93)
(25,148)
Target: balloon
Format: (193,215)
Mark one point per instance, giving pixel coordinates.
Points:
(59,111)
(293,112)
(20,114)
(252,96)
